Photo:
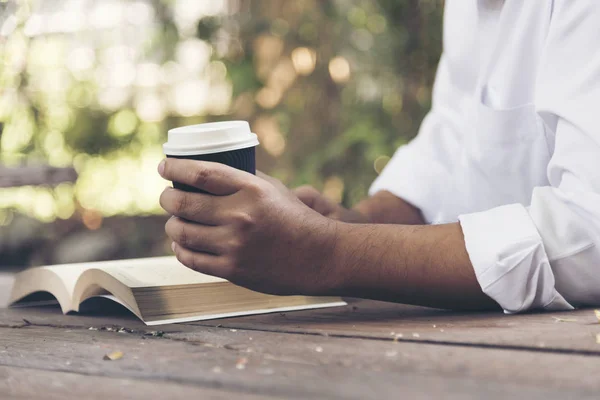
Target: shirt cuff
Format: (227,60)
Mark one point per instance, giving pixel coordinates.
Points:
(509,259)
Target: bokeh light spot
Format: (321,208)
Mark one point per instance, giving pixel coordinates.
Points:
(304,60)
(333,189)
(339,69)
(123,123)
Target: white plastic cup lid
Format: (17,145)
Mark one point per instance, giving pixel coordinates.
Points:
(213,137)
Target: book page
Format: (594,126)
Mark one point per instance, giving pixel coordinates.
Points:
(68,274)
(58,280)
(205,317)
(152,272)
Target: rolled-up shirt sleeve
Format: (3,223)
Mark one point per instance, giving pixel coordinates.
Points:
(547,255)
(419,171)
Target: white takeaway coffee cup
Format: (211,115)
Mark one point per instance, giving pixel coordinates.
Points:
(229,142)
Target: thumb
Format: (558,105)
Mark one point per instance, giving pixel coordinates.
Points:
(315,200)
(307,194)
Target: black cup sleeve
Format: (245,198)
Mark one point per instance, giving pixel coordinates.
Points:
(244,159)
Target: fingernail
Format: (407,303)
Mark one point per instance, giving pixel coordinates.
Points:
(173,245)
(161,167)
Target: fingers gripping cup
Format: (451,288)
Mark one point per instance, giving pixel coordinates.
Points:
(231,143)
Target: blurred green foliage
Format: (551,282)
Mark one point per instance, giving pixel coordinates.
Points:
(331,87)
(339,133)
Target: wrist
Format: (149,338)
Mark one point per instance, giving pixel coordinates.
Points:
(344,258)
(325,247)
(370,260)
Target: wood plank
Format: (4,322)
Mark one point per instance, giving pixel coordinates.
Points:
(112,317)
(573,331)
(563,332)
(570,332)
(304,366)
(35,175)
(32,384)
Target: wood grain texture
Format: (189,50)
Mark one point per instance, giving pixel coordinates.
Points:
(569,332)
(573,331)
(303,366)
(113,316)
(25,383)
(560,332)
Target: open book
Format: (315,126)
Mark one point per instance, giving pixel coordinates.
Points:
(158,290)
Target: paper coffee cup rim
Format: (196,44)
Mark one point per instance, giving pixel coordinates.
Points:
(219,126)
(208,149)
(224,136)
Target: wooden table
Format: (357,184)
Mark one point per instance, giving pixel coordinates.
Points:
(365,350)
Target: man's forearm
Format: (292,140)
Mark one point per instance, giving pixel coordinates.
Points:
(423,265)
(385,208)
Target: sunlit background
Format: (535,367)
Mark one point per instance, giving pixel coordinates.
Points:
(330,87)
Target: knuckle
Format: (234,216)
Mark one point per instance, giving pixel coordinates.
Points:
(255,187)
(243,220)
(233,245)
(180,202)
(229,265)
(200,177)
(184,259)
(189,260)
(182,236)
(195,263)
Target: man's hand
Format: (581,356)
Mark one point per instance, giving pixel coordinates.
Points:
(257,235)
(315,200)
(321,204)
(247,230)
(381,208)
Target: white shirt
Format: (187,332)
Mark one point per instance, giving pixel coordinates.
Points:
(511,148)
